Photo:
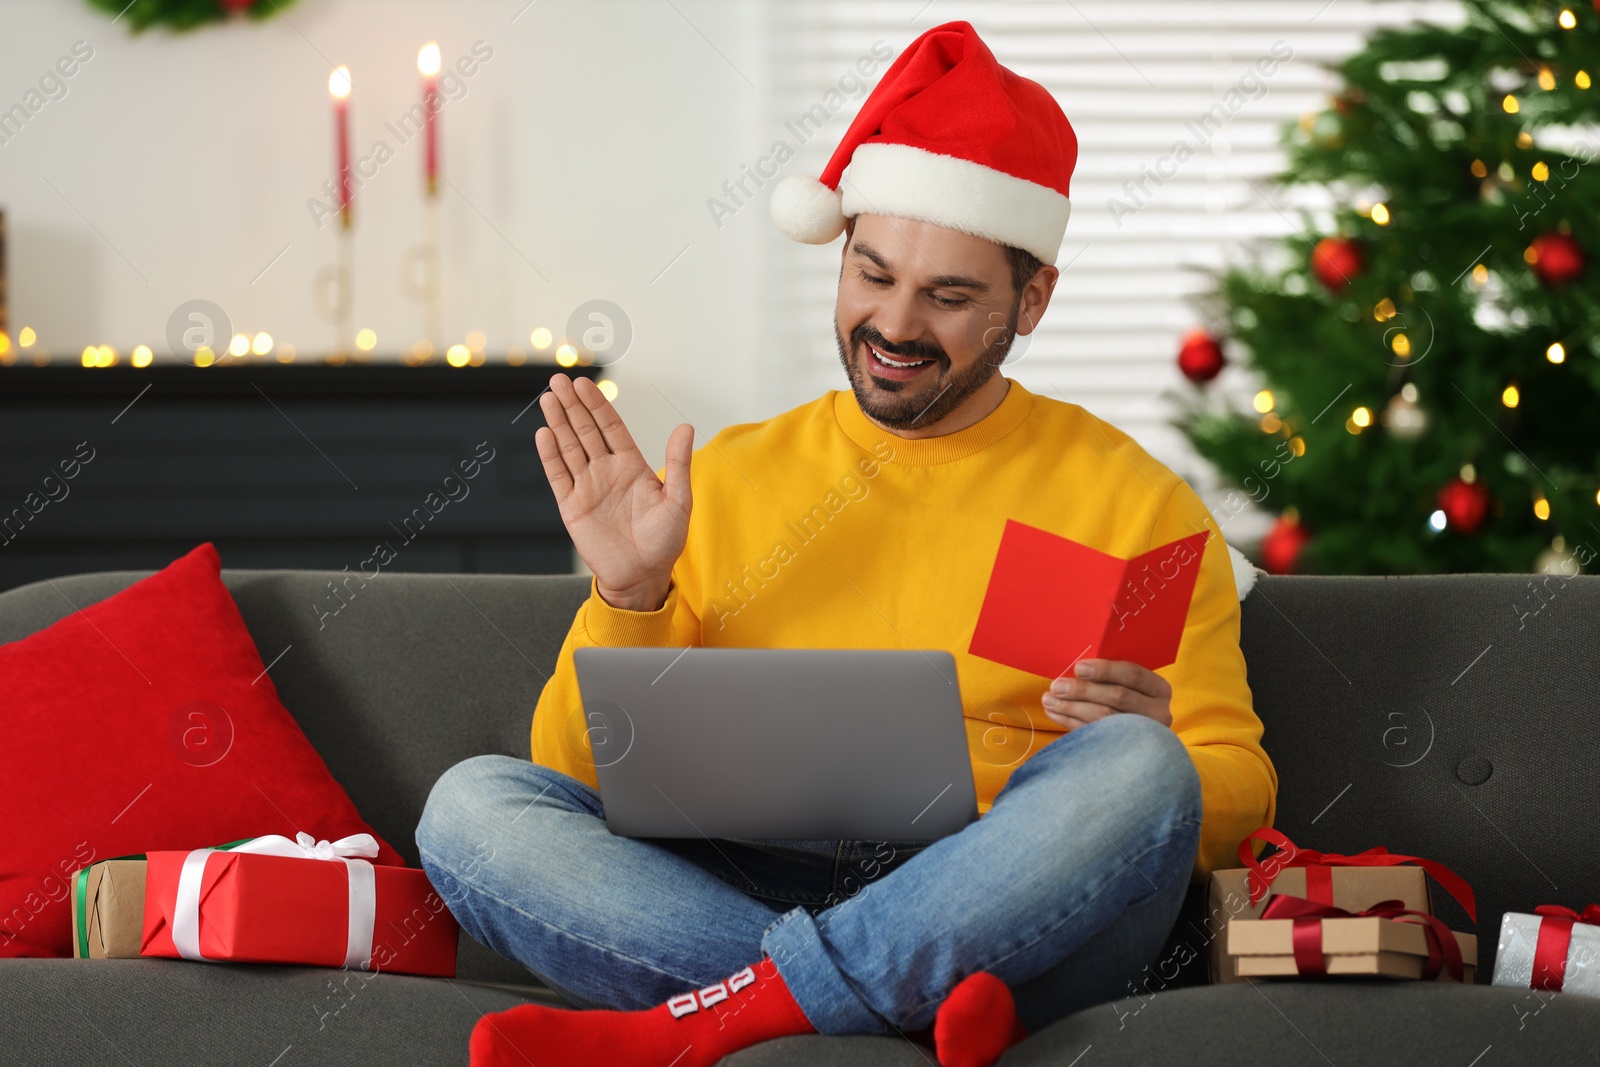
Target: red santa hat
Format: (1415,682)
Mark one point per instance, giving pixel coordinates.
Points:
(951,137)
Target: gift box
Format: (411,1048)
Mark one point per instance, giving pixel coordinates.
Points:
(1352,883)
(1298,937)
(108,907)
(108,910)
(272,900)
(1555,949)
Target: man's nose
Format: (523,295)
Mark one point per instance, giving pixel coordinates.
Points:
(899,320)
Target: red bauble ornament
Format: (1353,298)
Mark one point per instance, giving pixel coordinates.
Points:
(1556,258)
(1280,549)
(1464,504)
(237,7)
(1336,261)
(1201,357)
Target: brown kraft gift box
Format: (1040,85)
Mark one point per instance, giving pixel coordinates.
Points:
(109,916)
(1354,889)
(1350,946)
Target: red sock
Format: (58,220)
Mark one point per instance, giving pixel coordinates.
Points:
(693,1029)
(976,1023)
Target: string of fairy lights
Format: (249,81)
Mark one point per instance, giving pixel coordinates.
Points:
(261,348)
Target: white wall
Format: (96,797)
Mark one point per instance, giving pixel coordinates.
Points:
(581,157)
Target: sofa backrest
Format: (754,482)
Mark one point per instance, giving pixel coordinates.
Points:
(1445,716)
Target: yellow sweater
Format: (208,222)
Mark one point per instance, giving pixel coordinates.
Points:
(818,529)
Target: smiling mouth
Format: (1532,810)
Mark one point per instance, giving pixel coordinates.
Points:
(887,366)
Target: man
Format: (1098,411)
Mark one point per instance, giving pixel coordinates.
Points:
(871,518)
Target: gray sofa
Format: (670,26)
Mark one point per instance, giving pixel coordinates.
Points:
(1447,716)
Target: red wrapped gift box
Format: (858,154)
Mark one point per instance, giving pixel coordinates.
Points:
(255,908)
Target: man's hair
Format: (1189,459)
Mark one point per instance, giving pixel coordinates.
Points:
(1024,264)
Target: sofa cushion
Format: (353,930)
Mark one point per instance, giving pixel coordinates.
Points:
(77,1012)
(1353,1023)
(145,721)
(67,1013)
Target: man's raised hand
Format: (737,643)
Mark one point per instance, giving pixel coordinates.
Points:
(628,525)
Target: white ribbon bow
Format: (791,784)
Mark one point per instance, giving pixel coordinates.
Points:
(363,890)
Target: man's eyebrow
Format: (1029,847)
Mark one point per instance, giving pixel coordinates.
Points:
(958,281)
(943,281)
(861,248)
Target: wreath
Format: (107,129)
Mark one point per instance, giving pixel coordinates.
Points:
(187,14)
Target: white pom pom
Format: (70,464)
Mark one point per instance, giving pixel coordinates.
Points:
(1245,573)
(806,210)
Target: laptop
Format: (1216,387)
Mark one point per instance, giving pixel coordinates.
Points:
(759,743)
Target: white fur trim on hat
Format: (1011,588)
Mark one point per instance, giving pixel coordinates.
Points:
(806,210)
(897,179)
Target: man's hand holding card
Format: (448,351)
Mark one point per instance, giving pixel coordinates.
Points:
(1097,625)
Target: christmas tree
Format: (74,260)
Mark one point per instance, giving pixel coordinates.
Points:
(1430,360)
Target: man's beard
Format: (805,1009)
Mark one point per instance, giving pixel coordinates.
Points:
(882,399)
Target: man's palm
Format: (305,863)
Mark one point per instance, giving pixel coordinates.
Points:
(624,516)
(628,525)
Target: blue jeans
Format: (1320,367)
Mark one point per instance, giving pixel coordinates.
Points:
(1065,889)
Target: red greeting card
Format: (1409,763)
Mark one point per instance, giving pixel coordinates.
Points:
(1052,601)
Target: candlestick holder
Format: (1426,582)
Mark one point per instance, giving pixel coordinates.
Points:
(420,274)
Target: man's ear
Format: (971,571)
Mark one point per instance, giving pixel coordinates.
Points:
(1035,298)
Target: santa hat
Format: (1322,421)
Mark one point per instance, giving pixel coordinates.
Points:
(951,137)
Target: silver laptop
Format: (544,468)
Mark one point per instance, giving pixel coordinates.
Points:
(752,743)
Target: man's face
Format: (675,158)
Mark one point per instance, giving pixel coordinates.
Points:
(924,295)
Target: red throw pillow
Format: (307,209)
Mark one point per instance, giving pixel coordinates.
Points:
(146,721)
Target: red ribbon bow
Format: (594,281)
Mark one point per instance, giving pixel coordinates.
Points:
(1443,950)
(1319,869)
(1555,941)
